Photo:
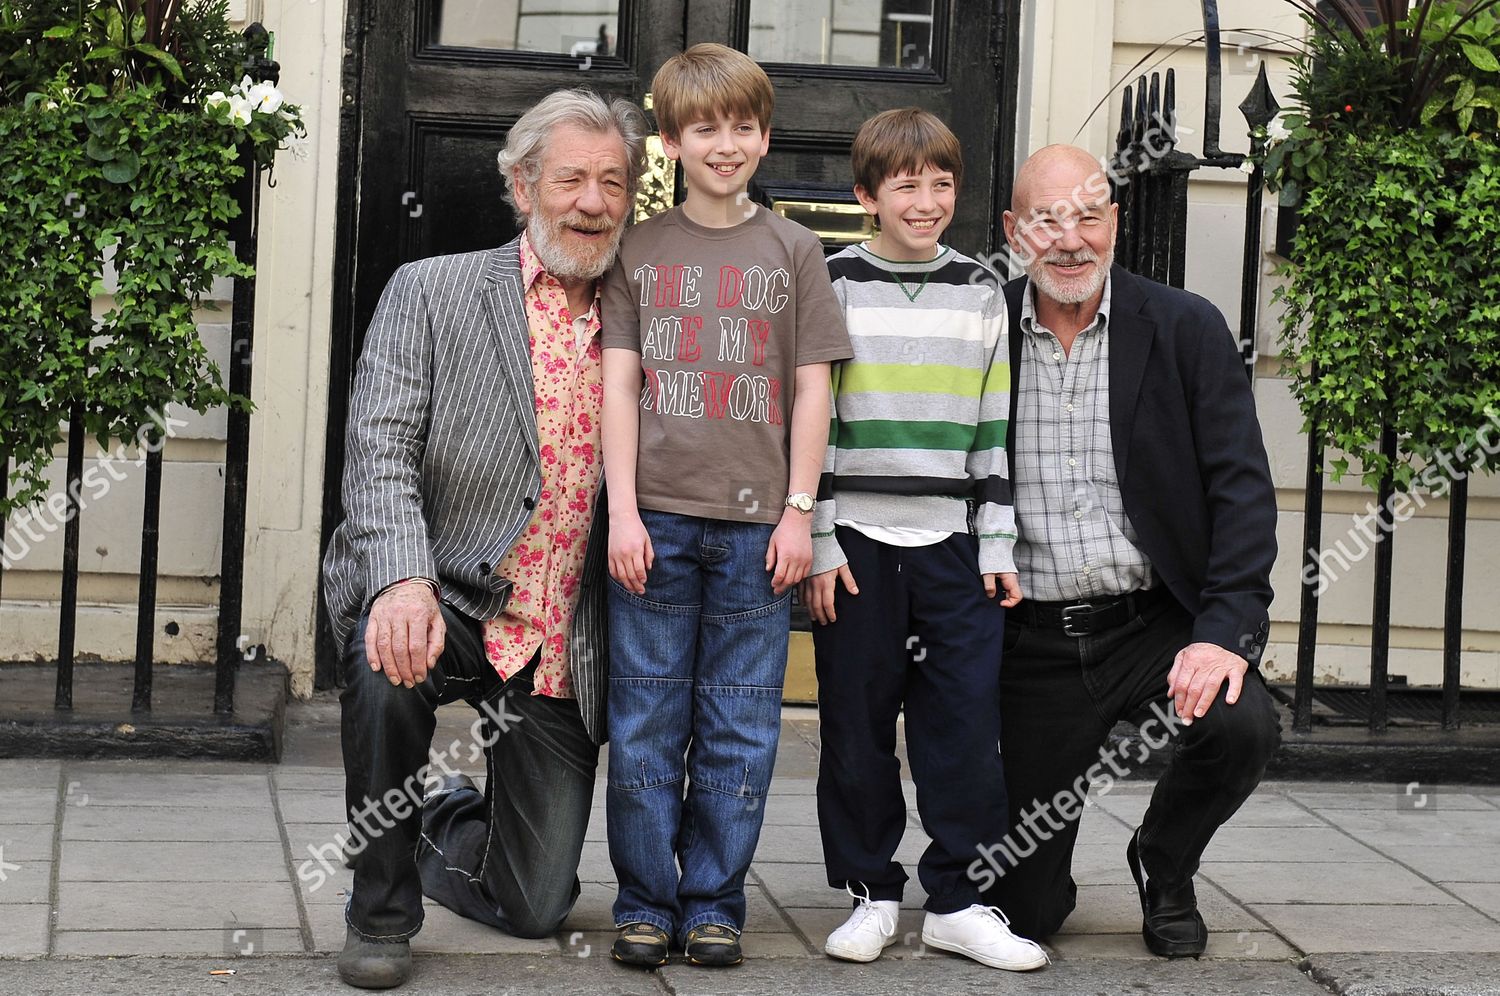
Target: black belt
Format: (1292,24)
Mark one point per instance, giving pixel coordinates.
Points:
(1089,616)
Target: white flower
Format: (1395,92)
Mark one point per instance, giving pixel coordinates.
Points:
(296,144)
(213,100)
(1247,166)
(239,110)
(244,85)
(1277,131)
(265,98)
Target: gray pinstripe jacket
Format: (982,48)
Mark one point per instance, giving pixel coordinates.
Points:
(442,471)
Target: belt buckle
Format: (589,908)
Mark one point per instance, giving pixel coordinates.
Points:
(1084,614)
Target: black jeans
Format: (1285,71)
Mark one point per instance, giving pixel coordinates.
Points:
(1059,698)
(507,856)
(922,634)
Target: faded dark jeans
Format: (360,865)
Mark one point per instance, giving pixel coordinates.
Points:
(507,856)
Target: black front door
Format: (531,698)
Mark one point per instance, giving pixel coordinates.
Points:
(433,85)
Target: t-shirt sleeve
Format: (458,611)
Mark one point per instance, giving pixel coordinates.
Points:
(821,334)
(620,319)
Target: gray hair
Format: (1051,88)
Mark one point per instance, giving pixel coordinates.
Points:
(583,108)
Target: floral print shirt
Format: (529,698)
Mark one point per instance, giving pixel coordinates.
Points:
(545,567)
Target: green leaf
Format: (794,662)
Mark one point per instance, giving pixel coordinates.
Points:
(124,168)
(1464,94)
(1482,58)
(97,150)
(1435,105)
(167,62)
(61,31)
(102,52)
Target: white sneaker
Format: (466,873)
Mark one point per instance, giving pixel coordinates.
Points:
(870,929)
(982,933)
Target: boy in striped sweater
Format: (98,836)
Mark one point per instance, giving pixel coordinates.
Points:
(906,596)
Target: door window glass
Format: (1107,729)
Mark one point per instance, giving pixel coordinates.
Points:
(877,34)
(577,28)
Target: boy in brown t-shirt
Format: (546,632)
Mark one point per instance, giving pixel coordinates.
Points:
(719,327)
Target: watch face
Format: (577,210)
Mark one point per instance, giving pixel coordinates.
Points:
(801,502)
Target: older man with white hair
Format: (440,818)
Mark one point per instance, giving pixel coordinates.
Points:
(471,562)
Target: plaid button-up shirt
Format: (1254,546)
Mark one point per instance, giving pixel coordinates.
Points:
(1075,539)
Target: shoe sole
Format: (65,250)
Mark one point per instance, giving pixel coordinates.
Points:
(715,964)
(985,960)
(850,954)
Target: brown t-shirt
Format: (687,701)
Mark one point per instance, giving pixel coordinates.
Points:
(722,317)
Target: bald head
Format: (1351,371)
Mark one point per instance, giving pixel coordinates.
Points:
(1061,224)
(1053,167)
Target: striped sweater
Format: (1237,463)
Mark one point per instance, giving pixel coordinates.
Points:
(920,413)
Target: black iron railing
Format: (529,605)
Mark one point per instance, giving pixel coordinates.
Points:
(1149,178)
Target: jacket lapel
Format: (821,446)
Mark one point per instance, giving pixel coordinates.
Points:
(505,313)
(1130,332)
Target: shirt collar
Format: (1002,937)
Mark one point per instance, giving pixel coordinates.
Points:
(1028,307)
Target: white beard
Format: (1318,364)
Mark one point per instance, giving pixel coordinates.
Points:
(565,264)
(1076,290)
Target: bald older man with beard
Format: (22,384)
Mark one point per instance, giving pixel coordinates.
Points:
(1147,526)
(471,562)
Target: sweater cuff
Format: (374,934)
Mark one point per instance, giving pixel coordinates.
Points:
(827,554)
(996,556)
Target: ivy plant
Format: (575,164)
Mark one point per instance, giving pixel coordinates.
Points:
(1392,307)
(124,126)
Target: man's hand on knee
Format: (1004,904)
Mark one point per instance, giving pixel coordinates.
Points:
(1197,673)
(405,634)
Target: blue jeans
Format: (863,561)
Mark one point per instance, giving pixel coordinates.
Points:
(696,667)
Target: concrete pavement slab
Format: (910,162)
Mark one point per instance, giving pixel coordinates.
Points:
(1289,844)
(806,885)
(108,786)
(174,905)
(305,776)
(1323,882)
(312,805)
(27,841)
(29,773)
(793,786)
(1384,974)
(1479,829)
(1447,864)
(172,861)
(192,823)
(1381,797)
(23,932)
(155,943)
(1099,864)
(1483,896)
(34,804)
(1328,928)
(25,882)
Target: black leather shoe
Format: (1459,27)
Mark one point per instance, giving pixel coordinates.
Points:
(374,964)
(1171,925)
(641,944)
